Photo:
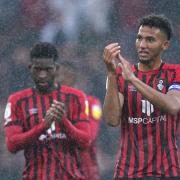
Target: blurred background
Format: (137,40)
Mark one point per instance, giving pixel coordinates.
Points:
(80,29)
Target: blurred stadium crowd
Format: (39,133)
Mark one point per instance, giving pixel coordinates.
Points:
(80,29)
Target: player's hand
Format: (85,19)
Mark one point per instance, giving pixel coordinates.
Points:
(110,55)
(48,119)
(57,109)
(127,72)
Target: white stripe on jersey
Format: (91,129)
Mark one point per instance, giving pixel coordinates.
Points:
(174,86)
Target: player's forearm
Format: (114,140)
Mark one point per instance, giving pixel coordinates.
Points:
(112,107)
(165,102)
(79,133)
(17,140)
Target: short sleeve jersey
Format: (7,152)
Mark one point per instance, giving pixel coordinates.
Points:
(148,135)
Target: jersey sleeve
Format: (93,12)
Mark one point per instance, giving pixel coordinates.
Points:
(12,113)
(175,85)
(16,138)
(78,128)
(95,115)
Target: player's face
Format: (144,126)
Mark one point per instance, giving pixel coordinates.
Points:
(43,73)
(150,43)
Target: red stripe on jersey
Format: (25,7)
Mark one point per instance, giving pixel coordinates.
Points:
(140,141)
(150,150)
(140,127)
(121,166)
(132,159)
(159,149)
(166,165)
(171,146)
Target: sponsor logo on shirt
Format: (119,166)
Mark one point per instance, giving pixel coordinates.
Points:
(52,136)
(33,111)
(147,109)
(146,120)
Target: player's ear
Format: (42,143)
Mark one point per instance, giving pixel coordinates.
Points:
(166,45)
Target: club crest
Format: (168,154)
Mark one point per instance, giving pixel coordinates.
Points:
(160,85)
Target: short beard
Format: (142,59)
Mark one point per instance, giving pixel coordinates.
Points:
(47,89)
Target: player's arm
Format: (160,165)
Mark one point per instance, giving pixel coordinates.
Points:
(16,138)
(169,102)
(79,132)
(114,100)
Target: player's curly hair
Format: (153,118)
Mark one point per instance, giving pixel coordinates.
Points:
(159,21)
(44,50)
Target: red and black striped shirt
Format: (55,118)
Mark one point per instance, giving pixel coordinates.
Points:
(89,155)
(148,135)
(50,154)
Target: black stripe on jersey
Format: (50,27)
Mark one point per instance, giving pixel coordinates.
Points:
(81,120)
(135,129)
(127,161)
(63,147)
(154,164)
(48,167)
(145,134)
(50,153)
(65,160)
(27,163)
(167,147)
(175,152)
(123,124)
(67,105)
(57,148)
(162,131)
(12,123)
(163,141)
(72,160)
(35,148)
(78,161)
(34,99)
(57,168)
(59,94)
(79,107)
(68,102)
(28,116)
(43,106)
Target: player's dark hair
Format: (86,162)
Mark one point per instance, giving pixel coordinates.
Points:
(158,21)
(44,50)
